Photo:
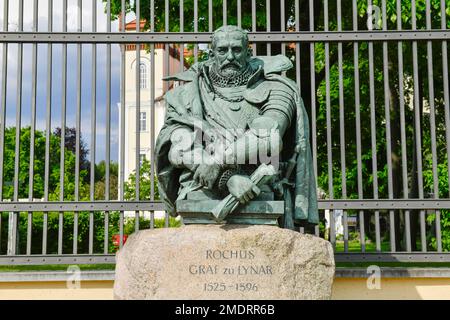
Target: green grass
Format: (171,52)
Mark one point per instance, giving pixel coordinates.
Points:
(355,246)
(54,267)
(393,264)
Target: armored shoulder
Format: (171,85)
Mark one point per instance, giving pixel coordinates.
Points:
(281,90)
(275,96)
(262,90)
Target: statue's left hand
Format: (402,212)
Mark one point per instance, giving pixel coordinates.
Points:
(207,174)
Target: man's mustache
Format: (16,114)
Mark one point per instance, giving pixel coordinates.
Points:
(232,63)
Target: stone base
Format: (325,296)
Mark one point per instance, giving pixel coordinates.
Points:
(224,262)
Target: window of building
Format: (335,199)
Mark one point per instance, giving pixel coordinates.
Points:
(143,75)
(143,121)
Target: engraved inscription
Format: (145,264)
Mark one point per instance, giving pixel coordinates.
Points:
(235,269)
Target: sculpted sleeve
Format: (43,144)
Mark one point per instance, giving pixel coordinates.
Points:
(281,99)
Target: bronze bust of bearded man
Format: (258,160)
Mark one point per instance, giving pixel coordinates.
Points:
(234,115)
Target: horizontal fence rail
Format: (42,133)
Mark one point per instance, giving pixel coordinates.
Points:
(190,37)
(142,205)
(82,101)
(84,206)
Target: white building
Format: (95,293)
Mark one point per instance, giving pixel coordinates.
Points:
(160,87)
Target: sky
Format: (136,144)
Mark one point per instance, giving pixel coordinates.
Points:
(12,66)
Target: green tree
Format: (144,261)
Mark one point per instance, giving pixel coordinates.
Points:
(100,180)
(144,183)
(39,166)
(54,191)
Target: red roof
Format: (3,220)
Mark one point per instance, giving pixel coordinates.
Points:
(131,26)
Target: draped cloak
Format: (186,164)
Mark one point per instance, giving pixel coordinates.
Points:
(184,108)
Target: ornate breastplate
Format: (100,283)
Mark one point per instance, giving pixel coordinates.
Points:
(232,97)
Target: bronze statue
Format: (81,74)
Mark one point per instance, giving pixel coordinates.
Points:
(236,132)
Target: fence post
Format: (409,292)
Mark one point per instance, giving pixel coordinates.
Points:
(13,234)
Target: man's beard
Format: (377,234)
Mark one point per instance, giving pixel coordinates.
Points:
(230,69)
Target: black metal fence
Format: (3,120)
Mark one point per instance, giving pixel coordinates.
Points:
(374,78)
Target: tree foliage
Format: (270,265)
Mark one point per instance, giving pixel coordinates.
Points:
(144,183)
(54,190)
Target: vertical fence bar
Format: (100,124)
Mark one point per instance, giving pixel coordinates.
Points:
(328,121)
(33,125)
(152,100)
(254,25)
(332,229)
(418,144)
(210,16)
(239,13)
(268,27)
(341,105)
(388,127)
(195,30)
(93,124)
(108,125)
(283,28)
(433,126)
(167,72)
(313,87)
(3,106)
(122,123)
(78,111)
(18,106)
(93,129)
(4,94)
(138,112)
(357,107)
(446,88)
(78,134)
(403,128)
(373,134)
(181,30)
(446,101)
(224,12)
(342,122)
(297,44)
(48,125)
(16,215)
(63,128)
(167,29)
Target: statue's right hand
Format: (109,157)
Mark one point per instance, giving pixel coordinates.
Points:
(242,188)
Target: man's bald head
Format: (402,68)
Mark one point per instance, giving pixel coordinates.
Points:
(233,31)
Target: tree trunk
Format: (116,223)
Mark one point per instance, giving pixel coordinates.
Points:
(396,152)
